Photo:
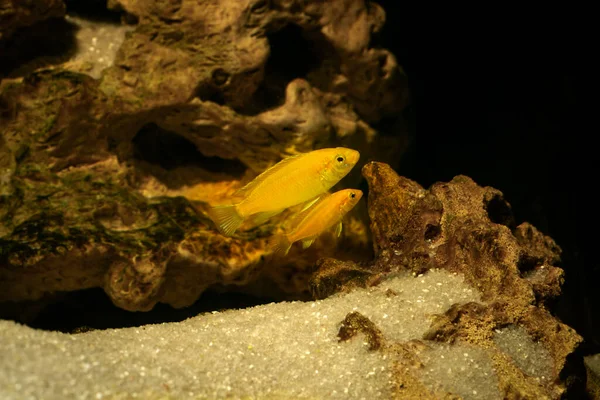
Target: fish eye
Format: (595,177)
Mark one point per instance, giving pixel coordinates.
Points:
(340,159)
(352,195)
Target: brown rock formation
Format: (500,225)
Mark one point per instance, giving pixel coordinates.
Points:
(104,182)
(464,228)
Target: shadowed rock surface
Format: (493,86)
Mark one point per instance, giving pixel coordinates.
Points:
(16,14)
(104,182)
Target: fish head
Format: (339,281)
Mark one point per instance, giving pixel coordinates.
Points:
(349,198)
(341,161)
(354,196)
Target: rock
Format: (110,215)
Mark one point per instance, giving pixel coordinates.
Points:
(592,366)
(437,328)
(230,39)
(467,229)
(106,174)
(15,14)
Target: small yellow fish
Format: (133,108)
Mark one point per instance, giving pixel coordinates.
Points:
(328,211)
(292,181)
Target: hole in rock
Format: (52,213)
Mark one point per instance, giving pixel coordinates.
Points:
(94,10)
(574,373)
(44,44)
(92,309)
(432,232)
(292,56)
(527,263)
(500,212)
(209,92)
(170,150)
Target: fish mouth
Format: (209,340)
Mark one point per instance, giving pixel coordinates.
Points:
(353,157)
(359,195)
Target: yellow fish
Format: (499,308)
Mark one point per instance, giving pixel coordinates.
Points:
(292,181)
(329,210)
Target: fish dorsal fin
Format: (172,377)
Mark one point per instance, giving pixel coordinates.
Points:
(338,229)
(306,243)
(264,175)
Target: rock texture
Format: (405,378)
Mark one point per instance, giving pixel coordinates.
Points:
(104,182)
(16,14)
(464,228)
(592,366)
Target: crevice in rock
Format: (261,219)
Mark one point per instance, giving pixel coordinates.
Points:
(93,10)
(499,211)
(432,232)
(170,150)
(528,263)
(292,56)
(574,374)
(91,309)
(209,91)
(47,43)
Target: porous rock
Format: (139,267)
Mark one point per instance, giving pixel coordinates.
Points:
(104,182)
(464,228)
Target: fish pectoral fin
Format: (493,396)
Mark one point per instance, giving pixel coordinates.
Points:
(260,178)
(279,245)
(306,243)
(261,218)
(309,203)
(338,229)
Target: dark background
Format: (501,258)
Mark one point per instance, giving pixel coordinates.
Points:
(500,99)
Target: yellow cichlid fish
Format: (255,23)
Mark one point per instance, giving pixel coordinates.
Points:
(328,211)
(292,181)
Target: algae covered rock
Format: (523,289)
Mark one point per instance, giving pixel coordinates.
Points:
(105,175)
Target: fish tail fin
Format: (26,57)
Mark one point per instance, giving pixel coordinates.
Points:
(279,244)
(226,218)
